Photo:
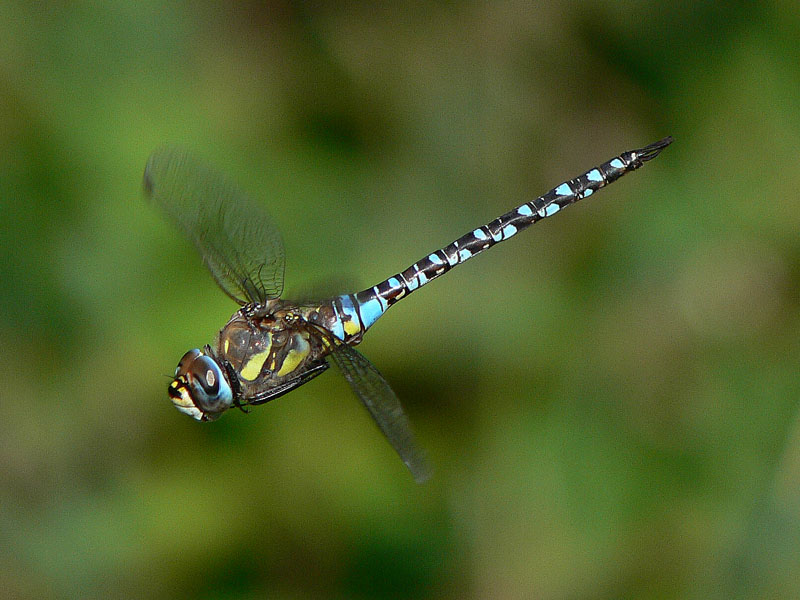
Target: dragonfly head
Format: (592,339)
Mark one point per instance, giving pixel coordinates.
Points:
(200,388)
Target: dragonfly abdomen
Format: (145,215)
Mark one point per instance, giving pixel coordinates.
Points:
(359,311)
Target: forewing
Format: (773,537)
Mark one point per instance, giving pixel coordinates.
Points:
(384,406)
(235,236)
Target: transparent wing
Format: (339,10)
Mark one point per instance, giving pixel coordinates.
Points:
(382,403)
(235,236)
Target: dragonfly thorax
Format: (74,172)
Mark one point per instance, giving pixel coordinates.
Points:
(267,347)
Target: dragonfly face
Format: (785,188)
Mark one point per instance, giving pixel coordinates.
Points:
(200,388)
(271,346)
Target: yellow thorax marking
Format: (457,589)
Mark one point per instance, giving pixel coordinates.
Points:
(295,356)
(253,367)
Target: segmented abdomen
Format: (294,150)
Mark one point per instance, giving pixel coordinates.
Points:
(357,312)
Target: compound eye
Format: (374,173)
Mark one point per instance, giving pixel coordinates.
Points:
(186,362)
(210,390)
(200,388)
(207,374)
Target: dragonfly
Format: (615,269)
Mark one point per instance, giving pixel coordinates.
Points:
(270,345)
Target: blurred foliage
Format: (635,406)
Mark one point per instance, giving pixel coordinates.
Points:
(610,399)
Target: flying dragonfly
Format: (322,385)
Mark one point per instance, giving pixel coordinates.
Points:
(271,346)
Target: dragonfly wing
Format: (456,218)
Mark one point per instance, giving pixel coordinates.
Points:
(384,406)
(235,236)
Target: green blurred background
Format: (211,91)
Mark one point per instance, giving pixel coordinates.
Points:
(610,399)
